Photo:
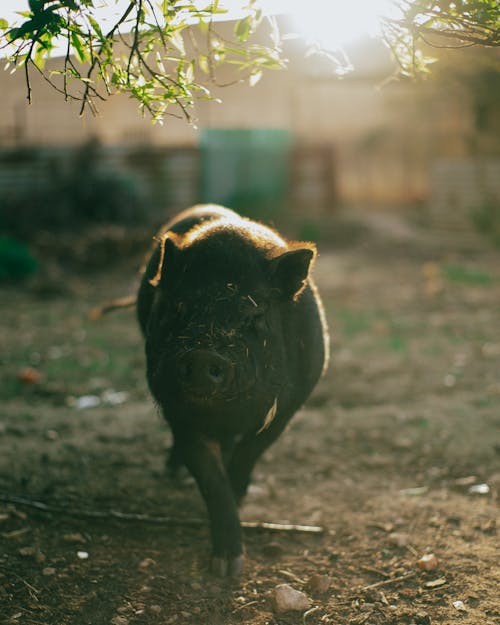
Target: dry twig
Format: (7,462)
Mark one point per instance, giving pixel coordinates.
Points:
(386,582)
(145,518)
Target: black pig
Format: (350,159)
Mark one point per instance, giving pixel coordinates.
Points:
(236,339)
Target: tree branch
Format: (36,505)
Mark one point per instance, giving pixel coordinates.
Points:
(95,57)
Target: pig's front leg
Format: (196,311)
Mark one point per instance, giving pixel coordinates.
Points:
(203,458)
(249,449)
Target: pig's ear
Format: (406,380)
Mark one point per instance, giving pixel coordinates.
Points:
(167,251)
(290,270)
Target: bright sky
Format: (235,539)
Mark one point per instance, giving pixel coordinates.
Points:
(331,23)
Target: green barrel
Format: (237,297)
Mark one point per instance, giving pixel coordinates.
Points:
(246,169)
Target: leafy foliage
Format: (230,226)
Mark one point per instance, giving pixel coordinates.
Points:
(425,24)
(151,51)
(164,53)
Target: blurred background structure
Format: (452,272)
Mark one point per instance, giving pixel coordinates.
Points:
(298,147)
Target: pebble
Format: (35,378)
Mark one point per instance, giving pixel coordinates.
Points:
(285,598)
(428,562)
(319,584)
(460,606)
(48,570)
(399,539)
(27,551)
(74,538)
(479,489)
(31,551)
(28,375)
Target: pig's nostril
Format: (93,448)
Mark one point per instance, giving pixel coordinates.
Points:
(204,372)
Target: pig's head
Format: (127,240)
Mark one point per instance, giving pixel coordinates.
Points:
(215,342)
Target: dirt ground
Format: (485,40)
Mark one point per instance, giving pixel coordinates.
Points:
(395,456)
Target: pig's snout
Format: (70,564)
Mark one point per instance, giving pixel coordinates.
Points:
(204,372)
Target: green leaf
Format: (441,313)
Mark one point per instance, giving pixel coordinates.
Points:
(243,28)
(96,27)
(79,48)
(3,24)
(203,63)
(40,56)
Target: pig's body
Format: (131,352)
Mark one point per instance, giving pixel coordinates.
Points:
(235,342)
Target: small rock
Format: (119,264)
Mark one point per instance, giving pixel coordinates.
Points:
(84,402)
(460,606)
(185,614)
(74,538)
(114,398)
(27,551)
(155,608)
(318,584)
(31,551)
(428,562)
(479,489)
(82,555)
(399,539)
(285,598)
(48,571)
(146,563)
(28,375)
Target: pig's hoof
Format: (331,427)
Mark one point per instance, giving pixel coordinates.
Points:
(226,567)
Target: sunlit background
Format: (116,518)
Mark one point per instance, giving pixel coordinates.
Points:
(332,130)
(330,23)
